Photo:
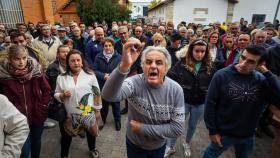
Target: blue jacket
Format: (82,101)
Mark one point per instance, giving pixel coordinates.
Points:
(80,44)
(101,66)
(92,49)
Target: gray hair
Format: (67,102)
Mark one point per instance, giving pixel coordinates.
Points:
(15,51)
(123,28)
(162,50)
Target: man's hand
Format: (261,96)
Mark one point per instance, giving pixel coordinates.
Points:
(262,68)
(131,50)
(106,76)
(135,126)
(216,139)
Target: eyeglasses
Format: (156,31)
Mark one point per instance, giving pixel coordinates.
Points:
(200,42)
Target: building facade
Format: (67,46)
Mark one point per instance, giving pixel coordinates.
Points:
(49,11)
(207,11)
(162,12)
(139,8)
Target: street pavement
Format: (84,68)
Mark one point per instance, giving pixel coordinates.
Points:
(111,143)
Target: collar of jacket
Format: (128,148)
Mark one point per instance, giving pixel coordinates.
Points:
(40,38)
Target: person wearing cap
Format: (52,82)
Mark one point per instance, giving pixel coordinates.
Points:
(206,31)
(174,47)
(61,31)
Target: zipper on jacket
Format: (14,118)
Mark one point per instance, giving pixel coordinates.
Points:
(25,100)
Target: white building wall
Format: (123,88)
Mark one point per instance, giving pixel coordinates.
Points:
(212,10)
(246,9)
(137,7)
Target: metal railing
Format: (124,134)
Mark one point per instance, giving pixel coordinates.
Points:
(10,13)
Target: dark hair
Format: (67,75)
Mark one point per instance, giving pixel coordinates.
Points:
(21,24)
(67,41)
(258,51)
(82,23)
(85,65)
(17,34)
(244,33)
(61,46)
(108,39)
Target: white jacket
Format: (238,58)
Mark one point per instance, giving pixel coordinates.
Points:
(14,129)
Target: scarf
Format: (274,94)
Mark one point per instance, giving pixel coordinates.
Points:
(8,72)
(108,56)
(62,67)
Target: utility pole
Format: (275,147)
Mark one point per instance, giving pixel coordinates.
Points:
(276,13)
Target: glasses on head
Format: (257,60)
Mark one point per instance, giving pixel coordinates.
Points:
(200,42)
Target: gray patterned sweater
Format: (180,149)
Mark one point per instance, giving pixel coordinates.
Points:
(159,109)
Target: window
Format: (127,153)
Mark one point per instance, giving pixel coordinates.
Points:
(258,18)
(54,8)
(145,10)
(10,13)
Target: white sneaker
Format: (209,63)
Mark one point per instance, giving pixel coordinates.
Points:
(187,150)
(49,124)
(169,151)
(94,153)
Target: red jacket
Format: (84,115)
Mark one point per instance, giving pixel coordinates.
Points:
(30,98)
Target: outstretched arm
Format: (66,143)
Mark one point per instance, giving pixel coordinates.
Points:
(115,89)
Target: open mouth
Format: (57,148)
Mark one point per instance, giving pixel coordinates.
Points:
(153,74)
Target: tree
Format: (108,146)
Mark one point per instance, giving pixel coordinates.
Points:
(154,3)
(101,10)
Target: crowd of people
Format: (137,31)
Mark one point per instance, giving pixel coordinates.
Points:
(165,76)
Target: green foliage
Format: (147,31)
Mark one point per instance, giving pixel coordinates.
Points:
(101,10)
(154,3)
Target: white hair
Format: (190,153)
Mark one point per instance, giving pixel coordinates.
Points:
(162,50)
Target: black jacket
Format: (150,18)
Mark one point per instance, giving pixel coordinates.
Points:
(52,74)
(101,66)
(273,61)
(194,85)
